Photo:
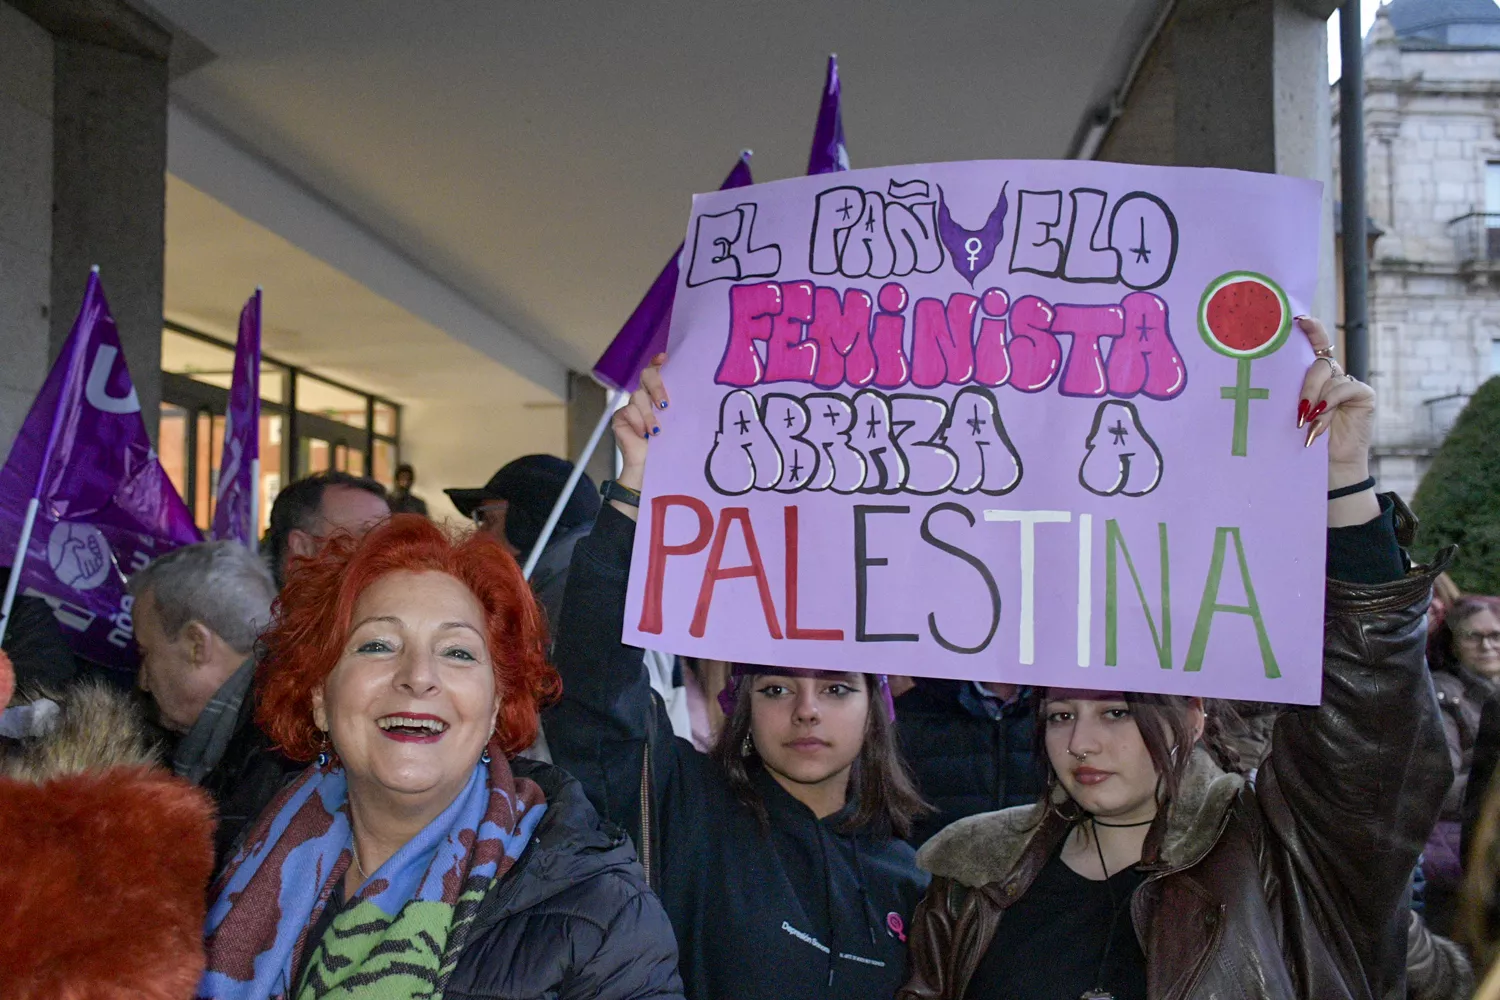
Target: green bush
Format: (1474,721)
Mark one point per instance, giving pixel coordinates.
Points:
(1459,500)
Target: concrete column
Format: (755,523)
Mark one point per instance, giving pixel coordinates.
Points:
(25,215)
(586,401)
(1241,84)
(109,161)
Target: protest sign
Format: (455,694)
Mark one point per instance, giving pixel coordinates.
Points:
(104,506)
(644,334)
(1020,421)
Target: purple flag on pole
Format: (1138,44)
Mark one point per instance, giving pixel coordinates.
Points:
(235,511)
(644,334)
(106,506)
(829,155)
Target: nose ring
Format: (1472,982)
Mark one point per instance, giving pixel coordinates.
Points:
(1080,757)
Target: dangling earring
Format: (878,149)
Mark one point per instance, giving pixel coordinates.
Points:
(747,748)
(325,752)
(484,758)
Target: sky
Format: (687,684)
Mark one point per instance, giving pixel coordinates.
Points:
(1366,17)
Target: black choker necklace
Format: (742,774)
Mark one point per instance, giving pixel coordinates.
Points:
(1122,826)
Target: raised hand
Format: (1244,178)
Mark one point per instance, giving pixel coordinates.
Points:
(638,421)
(1341,406)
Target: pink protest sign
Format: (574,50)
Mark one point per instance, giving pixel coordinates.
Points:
(1020,421)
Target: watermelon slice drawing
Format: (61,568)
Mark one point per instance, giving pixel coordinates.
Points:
(1244,315)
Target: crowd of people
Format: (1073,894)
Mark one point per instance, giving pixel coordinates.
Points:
(379,761)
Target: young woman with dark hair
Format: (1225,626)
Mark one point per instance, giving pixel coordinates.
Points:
(1150,871)
(778,855)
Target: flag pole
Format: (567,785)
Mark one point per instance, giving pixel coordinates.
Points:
(18,560)
(254,540)
(15,567)
(611,405)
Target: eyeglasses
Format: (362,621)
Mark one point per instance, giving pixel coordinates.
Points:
(481,515)
(1478,638)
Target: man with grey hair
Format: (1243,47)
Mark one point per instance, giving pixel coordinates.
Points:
(197,612)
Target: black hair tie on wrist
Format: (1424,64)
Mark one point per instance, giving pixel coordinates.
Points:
(1347,491)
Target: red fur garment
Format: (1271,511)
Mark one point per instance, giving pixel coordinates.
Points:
(103,877)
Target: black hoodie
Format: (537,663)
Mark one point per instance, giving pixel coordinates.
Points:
(797,910)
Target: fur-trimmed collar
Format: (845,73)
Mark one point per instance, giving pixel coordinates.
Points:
(981,849)
(97,728)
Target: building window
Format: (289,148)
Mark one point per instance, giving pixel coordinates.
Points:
(308,423)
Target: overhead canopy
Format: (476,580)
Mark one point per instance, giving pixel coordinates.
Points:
(533,161)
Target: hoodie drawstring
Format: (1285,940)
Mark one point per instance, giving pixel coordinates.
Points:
(864,891)
(833,931)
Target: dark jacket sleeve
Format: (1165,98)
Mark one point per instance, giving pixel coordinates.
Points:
(1352,788)
(34,641)
(608,715)
(247,778)
(636,958)
(934,933)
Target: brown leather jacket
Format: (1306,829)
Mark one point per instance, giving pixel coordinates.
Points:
(1290,888)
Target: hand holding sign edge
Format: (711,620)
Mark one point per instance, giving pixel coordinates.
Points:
(634,425)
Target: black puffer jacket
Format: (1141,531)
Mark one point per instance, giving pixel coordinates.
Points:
(573,918)
(966,761)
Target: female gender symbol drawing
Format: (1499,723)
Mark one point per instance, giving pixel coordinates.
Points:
(1244,315)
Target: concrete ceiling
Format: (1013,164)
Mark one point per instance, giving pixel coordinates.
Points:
(539,157)
(315,316)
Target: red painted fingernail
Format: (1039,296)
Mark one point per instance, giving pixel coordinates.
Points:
(1312,432)
(1302,408)
(1317,411)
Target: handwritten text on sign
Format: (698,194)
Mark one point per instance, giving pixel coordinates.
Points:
(1059,447)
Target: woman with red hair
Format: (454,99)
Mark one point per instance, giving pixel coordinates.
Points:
(416,857)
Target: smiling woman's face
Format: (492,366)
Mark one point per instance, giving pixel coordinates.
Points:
(411,702)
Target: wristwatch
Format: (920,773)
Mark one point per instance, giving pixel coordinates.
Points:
(612,490)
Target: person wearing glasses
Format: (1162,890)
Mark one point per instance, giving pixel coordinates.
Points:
(514,505)
(1464,654)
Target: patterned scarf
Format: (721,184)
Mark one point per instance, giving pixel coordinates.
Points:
(400,936)
(202,748)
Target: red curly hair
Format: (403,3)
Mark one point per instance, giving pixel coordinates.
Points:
(311,624)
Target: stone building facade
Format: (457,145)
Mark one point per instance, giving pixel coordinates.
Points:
(1432,150)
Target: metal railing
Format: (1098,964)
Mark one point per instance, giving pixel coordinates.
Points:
(1476,236)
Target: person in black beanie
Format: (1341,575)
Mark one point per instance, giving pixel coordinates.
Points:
(514,505)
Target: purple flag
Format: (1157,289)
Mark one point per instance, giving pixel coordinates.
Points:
(106,507)
(644,334)
(235,508)
(829,155)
